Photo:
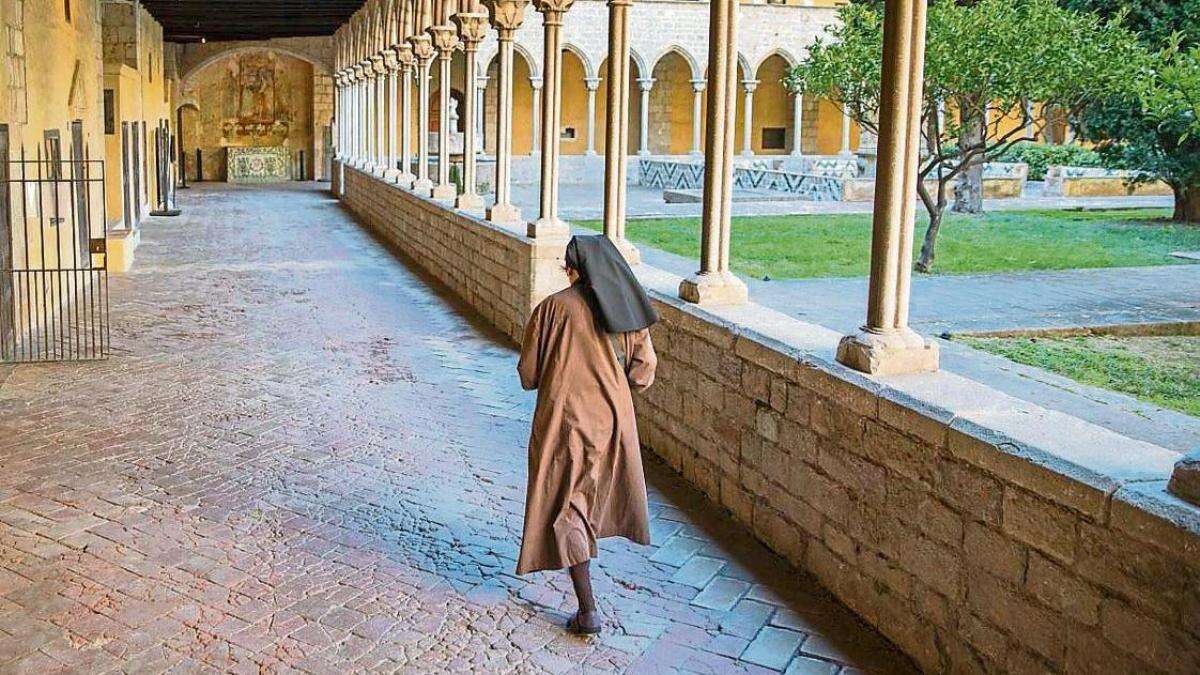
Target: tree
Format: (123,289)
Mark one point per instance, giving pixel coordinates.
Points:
(1155,129)
(984,62)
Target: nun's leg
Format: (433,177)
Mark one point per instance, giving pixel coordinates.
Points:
(586,620)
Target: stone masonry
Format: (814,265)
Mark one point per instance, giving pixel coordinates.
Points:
(976,532)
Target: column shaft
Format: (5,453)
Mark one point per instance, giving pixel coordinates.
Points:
(423,50)
(748,117)
(392,172)
(645,84)
(797,124)
(845,135)
(697,115)
(502,211)
(406,175)
(535,113)
(616,132)
(444,189)
(548,223)
(472,28)
(592,84)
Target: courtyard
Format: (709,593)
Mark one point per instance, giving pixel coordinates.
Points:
(303,456)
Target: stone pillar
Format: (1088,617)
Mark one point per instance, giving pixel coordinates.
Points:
(697,113)
(480,109)
(407,61)
(886,345)
(338,118)
(845,151)
(472,28)
(714,283)
(392,64)
(369,94)
(535,115)
(645,84)
(548,223)
(748,87)
(445,38)
(506,17)
(592,84)
(797,124)
(423,52)
(379,130)
(616,132)
(356,116)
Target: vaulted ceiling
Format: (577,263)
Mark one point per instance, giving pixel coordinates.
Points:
(193,20)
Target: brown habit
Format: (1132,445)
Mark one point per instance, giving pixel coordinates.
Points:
(585,465)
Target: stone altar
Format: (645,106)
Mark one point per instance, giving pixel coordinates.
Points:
(258,165)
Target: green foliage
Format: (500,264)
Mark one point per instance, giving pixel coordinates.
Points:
(1156,127)
(1041,155)
(832,245)
(984,60)
(1161,370)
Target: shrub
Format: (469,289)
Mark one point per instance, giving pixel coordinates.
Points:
(1041,155)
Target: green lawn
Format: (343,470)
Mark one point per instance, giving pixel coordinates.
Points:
(1164,371)
(792,247)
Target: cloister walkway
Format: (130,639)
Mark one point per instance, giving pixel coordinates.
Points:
(301,457)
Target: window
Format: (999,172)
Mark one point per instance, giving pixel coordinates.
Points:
(53,154)
(568,133)
(110,113)
(774,138)
(67,10)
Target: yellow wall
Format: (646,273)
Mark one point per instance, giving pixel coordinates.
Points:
(522,138)
(574,105)
(772,104)
(231,116)
(671,106)
(635,110)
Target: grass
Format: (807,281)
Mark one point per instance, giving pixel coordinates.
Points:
(795,247)
(1164,371)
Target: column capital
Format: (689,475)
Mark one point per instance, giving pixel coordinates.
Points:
(645,83)
(404,55)
(390,62)
(620,3)
(592,83)
(552,9)
(481,82)
(358,71)
(378,66)
(472,28)
(445,38)
(422,48)
(698,85)
(506,15)
(750,85)
(535,83)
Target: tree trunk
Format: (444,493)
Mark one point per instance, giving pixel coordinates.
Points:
(1187,203)
(968,189)
(928,246)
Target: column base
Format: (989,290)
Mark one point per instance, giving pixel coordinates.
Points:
(445,192)
(714,288)
(1185,479)
(628,251)
(423,187)
(392,175)
(896,352)
(471,203)
(846,153)
(406,180)
(504,214)
(548,227)
(643,153)
(378,170)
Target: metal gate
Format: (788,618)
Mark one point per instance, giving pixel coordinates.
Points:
(53,274)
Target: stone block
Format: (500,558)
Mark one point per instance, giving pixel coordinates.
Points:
(1028,624)
(1060,590)
(915,460)
(1042,525)
(970,491)
(999,555)
(1147,639)
(1185,479)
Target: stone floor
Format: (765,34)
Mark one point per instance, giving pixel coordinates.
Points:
(301,457)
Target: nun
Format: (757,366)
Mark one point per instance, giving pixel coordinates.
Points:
(585,349)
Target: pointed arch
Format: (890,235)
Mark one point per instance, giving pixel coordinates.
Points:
(693,64)
(782,53)
(589,68)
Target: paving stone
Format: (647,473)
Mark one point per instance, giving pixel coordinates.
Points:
(289,464)
(803,665)
(721,594)
(773,647)
(698,571)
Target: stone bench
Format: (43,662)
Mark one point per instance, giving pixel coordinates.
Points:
(1080,181)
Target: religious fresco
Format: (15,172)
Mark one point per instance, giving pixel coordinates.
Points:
(250,99)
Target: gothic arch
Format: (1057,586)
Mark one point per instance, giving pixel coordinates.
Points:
(589,68)
(693,64)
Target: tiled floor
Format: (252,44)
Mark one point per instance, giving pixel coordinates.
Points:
(302,457)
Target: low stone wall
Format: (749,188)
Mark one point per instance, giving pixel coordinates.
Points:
(1080,181)
(675,175)
(501,273)
(977,531)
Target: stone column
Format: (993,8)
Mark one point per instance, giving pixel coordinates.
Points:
(548,223)
(506,17)
(338,114)
(797,124)
(592,84)
(480,109)
(472,28)
(886,345)
(535,115)
(645,84)
(369,121)
(379,130)
(392,64)
(356,115)
(845,151)
(407,61)
(714,283)
(423,52)
(697,113)
(616,132)
(748,86)
(445,38)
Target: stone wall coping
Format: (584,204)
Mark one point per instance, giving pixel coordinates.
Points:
(1079,465)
